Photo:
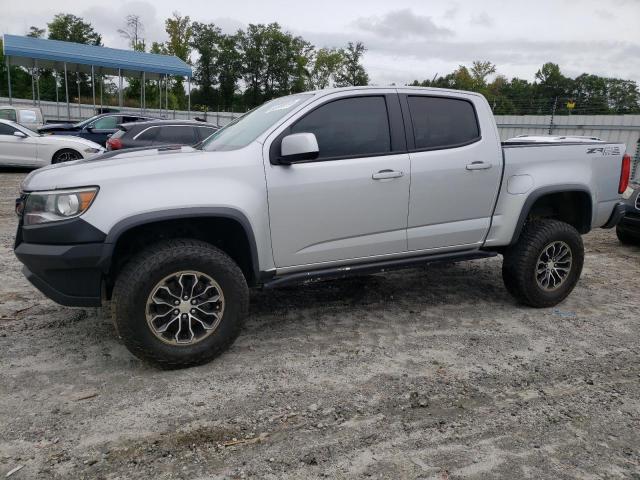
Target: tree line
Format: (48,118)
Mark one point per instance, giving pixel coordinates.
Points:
(231,71)
(551,92)
(242,70)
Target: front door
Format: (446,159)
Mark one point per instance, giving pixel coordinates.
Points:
(350,203)
(17,151)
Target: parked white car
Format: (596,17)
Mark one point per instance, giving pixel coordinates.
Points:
(21,147)
(30,117)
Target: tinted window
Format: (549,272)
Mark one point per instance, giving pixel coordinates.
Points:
(183,135)
(356,126)
(442,122)
(148,135)
(8,115)
(127,119)
(107,123)
(206,132)
(6,129)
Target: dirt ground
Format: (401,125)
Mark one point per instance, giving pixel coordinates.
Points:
(425,373)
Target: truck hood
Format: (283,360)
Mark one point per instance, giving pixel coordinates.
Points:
(113,165)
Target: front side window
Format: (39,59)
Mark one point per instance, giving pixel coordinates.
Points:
(6,129)
(8,114)
(349,127)
(183,135)
(442,122)
(107,123)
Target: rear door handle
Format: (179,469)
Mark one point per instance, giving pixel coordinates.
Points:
(478,166)
(386,174)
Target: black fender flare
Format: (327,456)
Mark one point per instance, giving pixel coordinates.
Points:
(175,214)
(541,192)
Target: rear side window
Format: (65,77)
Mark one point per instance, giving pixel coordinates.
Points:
(183,135)
(442,122)
(148,135)
(8,114)
(350,127)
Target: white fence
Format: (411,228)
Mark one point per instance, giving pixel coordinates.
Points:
(612,128)
(53,112)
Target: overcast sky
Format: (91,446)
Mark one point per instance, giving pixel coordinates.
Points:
(406,39)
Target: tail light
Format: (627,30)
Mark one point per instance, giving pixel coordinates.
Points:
(114,144)
(625,173)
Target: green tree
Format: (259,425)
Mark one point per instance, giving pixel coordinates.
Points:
(36,32)
(133,31)
(70,28)
(480,70)
(351,72)
(180,31)
(325,67)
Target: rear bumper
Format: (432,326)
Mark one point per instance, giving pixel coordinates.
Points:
(68,274)
(616,216)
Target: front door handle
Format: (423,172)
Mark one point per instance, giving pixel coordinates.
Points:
(386,174)
(478,166)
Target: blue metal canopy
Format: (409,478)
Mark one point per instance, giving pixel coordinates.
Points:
(38,52)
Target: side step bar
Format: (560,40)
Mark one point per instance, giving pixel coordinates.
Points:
(345,271)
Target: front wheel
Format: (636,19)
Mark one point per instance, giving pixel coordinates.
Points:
(179,303)
(66,155)
(544,265)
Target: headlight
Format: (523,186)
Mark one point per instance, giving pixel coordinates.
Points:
(43,207)
(92,150)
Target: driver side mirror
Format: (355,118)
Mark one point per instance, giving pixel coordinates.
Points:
(19,134)
(89,128)
(298,147)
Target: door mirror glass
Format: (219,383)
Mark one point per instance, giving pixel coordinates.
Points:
(298,147)
(19,134)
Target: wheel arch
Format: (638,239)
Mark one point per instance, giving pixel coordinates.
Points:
(192,218)
(64,149)
(571,203)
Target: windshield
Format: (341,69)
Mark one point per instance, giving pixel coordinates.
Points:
(244,130)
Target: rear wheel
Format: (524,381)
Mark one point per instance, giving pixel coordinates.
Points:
(545,264)
(66,155)
(179,303)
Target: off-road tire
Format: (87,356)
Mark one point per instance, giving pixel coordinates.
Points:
(140,275)
(520,261)
(626,238)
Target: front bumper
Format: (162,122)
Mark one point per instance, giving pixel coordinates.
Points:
(630,223)
(68,274)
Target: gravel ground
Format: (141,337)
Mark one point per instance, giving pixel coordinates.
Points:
(424,373)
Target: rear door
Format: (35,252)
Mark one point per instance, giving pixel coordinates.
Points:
(456,166)
(352,201)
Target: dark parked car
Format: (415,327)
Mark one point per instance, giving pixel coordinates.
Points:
(97,129)
(628,230)
(160,132)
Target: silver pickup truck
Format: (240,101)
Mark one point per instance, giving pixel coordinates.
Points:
(311,186)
